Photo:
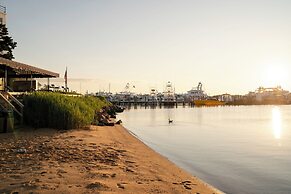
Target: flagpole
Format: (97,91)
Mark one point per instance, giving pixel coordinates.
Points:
(66,80)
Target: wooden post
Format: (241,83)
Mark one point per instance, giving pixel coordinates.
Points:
(30,81)
(5,79)
(48,84)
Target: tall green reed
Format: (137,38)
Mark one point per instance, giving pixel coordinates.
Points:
(55,110)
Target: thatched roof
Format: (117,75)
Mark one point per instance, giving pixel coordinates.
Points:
(16,69)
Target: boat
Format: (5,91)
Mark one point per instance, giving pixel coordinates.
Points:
(200,98)
(196,93)
(169,93)
(208,102)
(153,96)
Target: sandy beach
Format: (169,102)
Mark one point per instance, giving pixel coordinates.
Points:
(94,160)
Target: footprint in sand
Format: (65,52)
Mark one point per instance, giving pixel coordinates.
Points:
(128,169)
(119,185)
(186,184)
(128,161)
(187,187)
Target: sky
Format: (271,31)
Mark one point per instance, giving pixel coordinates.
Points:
(231,46)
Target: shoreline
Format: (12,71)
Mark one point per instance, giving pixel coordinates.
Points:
(99,159)
(200,180)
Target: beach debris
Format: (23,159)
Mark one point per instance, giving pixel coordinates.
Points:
(118,122)
(113,116)
(21,151)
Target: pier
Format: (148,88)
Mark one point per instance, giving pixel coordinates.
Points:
(153,104)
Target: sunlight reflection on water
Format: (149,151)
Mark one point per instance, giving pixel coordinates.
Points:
(277,122)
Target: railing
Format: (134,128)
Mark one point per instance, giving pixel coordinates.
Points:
(6,96)
(15,100)
(2,9)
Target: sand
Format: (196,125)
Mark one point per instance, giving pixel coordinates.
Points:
(95,160)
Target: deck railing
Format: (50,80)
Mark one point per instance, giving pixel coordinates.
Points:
(7,98)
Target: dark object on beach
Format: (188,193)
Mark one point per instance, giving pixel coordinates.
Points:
(118,122)
(110,124)
(106,116)
(6,121)
(21,151)
(103,119)
(119,109)
(170,121)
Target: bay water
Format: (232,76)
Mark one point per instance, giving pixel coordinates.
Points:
(237,149)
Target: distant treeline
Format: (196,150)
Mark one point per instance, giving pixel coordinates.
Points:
(60,111)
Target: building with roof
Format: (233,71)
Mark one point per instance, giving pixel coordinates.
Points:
(2,14)
(14,74)
(12,71)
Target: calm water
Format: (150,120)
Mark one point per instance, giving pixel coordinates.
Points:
(238,149)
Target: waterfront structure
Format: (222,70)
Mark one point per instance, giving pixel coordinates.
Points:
(126,96)
(153,96)
(11,72)
(169,93)
(196,96)
(200,98)
(196,93)
(224,98)
(275,94)
(2,14)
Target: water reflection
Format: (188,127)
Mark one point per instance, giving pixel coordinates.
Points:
(217,144)
(277,122)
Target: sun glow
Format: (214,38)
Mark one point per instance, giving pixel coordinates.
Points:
(277,122)
(275,76)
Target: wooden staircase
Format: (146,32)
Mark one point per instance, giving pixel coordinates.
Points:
(9,103)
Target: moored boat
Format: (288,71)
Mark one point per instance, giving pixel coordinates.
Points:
(200,98)
(208,102)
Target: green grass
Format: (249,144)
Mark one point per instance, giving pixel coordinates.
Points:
(59,111)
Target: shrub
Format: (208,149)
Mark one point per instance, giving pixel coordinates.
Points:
(55,110)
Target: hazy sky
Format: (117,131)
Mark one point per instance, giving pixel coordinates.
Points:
(230,46)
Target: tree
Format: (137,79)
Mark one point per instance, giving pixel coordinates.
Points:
(6,43)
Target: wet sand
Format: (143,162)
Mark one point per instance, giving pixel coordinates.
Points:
(95,160)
